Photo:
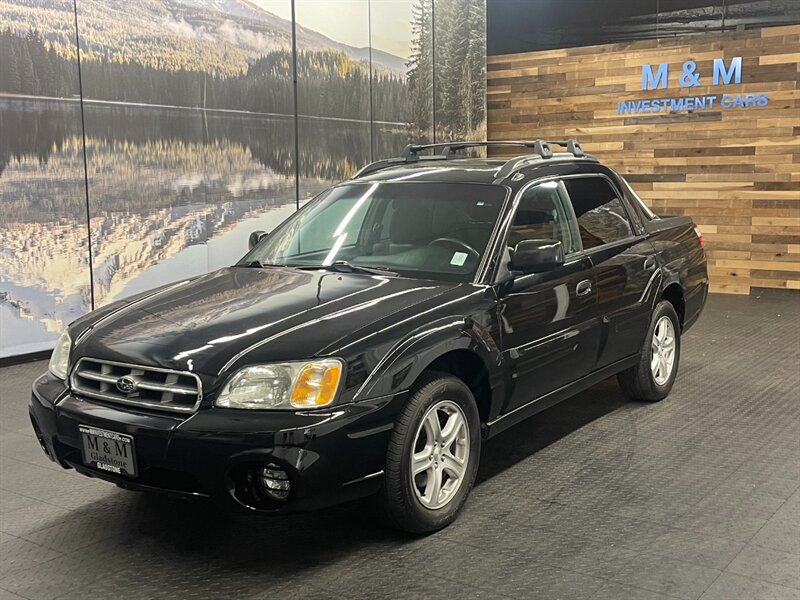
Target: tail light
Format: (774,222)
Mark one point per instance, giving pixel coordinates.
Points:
(699,235)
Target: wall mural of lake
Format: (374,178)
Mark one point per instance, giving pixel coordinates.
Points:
(182,141)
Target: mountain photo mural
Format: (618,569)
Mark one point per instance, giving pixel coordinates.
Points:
(44,242)
(184,115)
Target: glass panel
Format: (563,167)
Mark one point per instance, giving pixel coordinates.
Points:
(460,70)
(601,216)
(543,214)
(44,244)
(401,41)
(188,113)
(189,131)
(339,221)
(333,91)
(426,230)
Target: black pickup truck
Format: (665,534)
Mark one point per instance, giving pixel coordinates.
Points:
(376,338)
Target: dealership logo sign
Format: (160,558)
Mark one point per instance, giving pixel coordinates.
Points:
(658,77)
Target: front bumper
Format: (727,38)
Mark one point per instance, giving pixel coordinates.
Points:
(329,456)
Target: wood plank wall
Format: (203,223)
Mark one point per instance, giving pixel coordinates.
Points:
(735,171)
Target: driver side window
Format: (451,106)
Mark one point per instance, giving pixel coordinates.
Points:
(543,214)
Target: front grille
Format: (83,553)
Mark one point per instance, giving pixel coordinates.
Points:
(151,387)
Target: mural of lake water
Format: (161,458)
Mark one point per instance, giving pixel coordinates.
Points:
(154,158)
(172,193)
(44,249)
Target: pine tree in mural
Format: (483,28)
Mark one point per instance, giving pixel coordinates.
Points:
(420,69)
(460,40)
(30,65)
(9,69)
(451,40)
(26,74)
(459,37)
(475,70)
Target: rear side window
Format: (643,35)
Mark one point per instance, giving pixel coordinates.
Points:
(601,216)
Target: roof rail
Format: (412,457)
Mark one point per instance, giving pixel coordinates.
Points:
(413,153)
(378,165)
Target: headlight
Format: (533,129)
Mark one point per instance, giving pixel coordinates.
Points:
(287,385)
(59,359)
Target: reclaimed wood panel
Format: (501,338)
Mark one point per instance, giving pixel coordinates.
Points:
(735,171)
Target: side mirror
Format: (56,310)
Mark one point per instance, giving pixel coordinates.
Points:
(537,256)
(256,237)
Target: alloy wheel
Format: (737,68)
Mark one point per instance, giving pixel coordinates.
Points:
(662,357)
(440,454)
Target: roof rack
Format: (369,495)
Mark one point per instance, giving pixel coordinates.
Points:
(515,164)
(539,147)
(413,153)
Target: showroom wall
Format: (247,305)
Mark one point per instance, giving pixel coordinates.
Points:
(669,105)
(154,156)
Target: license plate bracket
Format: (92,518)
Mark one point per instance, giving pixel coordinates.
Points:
(108,451)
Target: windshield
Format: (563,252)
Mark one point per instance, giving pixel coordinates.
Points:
(424,230)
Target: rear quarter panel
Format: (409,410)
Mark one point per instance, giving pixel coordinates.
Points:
(682,260)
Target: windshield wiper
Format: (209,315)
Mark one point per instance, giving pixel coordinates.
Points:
(257,264)
(342,266)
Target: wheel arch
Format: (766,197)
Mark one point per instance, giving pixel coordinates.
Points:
(458,347)
(673,293)
(470,368)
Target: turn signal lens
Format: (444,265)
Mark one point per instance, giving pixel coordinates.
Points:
(699,235)
(281,386)
(316,384)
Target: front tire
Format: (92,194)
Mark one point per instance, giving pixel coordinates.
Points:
(651,379)
(433,454)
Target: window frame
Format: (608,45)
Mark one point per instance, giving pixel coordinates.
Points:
(572,221)
(490,276)
(634,231)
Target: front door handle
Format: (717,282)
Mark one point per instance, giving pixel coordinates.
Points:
(649,263)
(583,288)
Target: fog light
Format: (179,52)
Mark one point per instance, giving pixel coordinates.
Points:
(274,482)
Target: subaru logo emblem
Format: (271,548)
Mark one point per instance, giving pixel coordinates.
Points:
(127,384)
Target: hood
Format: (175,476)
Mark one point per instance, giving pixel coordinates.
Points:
(214,322)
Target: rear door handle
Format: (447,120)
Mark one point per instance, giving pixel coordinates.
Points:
(583,288)
(649,263)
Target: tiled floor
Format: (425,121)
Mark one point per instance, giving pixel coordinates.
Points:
(695,497)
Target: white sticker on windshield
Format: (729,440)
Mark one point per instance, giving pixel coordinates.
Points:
(459,258)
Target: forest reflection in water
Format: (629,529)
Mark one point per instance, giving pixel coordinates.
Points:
(171,193)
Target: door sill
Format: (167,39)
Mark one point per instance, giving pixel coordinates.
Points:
(537,405)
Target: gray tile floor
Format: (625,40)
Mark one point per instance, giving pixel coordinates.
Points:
(695,497)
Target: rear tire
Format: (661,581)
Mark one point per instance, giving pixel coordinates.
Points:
(433,454)
(651,379)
